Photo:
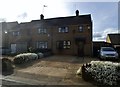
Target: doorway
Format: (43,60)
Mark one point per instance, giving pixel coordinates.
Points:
(80,49)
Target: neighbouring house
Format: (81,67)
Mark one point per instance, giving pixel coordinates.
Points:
(114,40)
(71,35)
(4,36)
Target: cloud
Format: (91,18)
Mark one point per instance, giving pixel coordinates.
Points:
(92,0)
(2,19)
(23,15)
(119,31)
(97,34)
(110,30)
(55,8)
(101,36)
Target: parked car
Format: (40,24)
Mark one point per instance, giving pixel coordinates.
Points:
(108,53)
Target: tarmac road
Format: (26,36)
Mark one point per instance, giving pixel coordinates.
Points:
(10,81)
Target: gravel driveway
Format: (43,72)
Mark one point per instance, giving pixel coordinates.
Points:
(54,70)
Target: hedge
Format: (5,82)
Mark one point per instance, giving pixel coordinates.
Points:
(101,72)
(25,57)
(7,66)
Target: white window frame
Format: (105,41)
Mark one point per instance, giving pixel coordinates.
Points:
(80,28)
(88,27)
(42,30)
(42,44)
(65,43)
(63,29)
(15,33)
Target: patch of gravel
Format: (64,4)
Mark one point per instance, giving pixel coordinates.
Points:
(49,71)
(60,69)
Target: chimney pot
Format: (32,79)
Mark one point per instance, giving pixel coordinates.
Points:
(41,16)
(77,12)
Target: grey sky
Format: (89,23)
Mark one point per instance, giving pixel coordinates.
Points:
(104,13)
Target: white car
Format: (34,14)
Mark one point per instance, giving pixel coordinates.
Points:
(108,53)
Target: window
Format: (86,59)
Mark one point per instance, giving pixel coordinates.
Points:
(80,28)
(66,45)
(63,29)
(42,31)
(16,33)
(88,27)
(63,44)
(42,44)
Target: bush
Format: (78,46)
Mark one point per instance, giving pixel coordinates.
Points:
(25,57)
(42,50)
(40,55)
(6,65)
(18,60)
(102,72)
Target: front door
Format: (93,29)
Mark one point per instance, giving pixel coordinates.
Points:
(80,49)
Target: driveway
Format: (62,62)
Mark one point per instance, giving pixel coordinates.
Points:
(54,70)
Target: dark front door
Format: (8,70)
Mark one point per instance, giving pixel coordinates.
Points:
(80,49)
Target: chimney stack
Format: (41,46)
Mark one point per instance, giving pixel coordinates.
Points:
(77,12)
(41,16)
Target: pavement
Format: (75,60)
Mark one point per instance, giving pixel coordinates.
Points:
(16,80)
(54,70)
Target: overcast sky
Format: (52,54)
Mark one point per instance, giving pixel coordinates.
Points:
(104,12)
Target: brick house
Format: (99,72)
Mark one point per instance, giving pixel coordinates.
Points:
(4,35)
(70,35)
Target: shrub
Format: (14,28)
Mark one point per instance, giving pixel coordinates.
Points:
(40,55)
(25,57)
(6,65)
(102,72)
(18,60)
(39,50)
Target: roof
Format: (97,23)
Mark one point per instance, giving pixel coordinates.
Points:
(99,42)
(59,21)
(114,38)
(81,19)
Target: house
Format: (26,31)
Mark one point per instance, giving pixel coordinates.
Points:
(4,28)
(114,40)
(70,35)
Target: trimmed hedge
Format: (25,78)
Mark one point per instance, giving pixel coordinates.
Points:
(102,73)
(25,57)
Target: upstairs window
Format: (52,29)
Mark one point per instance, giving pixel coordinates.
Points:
(16,33)
(42,44)
(63,29)
(42,31)
(80,28)
(88,27)
(63,44)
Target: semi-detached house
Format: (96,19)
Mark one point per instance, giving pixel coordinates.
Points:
(71,35)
